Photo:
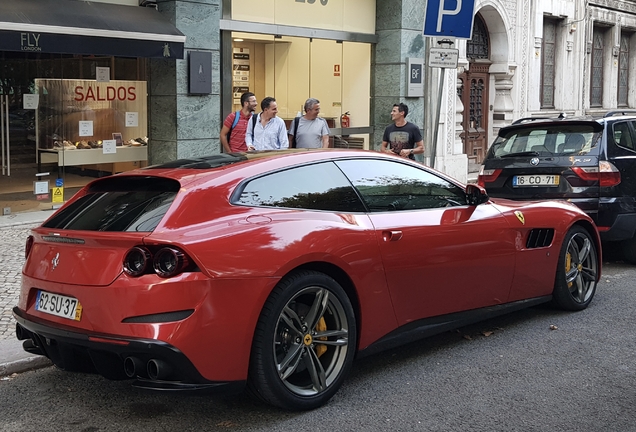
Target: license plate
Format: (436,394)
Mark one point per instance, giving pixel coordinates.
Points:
(535,180)
(58,305)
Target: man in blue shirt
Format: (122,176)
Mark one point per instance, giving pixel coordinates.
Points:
(268,131)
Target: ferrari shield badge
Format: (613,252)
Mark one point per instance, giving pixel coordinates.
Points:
(520,217)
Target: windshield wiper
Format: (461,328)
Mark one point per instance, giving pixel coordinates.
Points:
(525,153)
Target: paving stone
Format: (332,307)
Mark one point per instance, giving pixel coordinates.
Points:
(12,258)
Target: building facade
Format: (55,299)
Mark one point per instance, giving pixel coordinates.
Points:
(525,58)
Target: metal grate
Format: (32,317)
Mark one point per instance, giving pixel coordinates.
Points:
(540,237)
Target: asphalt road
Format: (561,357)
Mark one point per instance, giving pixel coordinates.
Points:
(513,373)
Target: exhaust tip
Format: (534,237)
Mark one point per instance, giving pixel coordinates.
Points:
(132,366)
(30,347)
(21,333)
(158,370)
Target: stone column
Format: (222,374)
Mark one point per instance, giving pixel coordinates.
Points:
(503,106)
(399,26)
(183,125)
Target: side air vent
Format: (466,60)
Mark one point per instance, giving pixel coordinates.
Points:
(540,237)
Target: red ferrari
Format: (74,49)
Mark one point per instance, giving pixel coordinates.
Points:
(273,270)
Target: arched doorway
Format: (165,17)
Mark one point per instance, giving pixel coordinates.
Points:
(473,93)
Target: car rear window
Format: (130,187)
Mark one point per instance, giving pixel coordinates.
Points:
(119,204)
(549,140)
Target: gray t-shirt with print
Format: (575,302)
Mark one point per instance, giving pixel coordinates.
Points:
(310,132)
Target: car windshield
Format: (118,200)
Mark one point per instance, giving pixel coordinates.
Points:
(549,140)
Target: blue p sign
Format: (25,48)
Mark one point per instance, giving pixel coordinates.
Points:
(452,18)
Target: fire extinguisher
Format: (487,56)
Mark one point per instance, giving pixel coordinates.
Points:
(345,120)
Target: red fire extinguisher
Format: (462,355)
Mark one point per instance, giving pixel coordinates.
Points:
(345,121)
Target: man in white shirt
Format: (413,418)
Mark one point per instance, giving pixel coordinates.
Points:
(267,131)
(312,131)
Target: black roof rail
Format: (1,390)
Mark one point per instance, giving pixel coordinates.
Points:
(528,119)
(619,112)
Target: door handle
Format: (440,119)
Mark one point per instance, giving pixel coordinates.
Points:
(391,235)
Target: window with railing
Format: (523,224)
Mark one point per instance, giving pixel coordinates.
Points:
(596,85)
(623,71)
(548,62)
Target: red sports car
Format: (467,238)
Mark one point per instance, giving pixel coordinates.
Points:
(274,270)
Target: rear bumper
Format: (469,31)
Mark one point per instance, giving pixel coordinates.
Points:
(616,218)
(73,350)
(622,228)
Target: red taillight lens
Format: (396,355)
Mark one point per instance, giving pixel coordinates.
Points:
(606,174)
(136,261)
(28,246)
(169,262)
(487,176)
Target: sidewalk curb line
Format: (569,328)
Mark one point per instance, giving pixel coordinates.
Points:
(24,365)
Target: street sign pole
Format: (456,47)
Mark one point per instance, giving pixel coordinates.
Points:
(444,18)
(442,59)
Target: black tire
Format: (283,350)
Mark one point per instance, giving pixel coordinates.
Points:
(304,308)
(577,271)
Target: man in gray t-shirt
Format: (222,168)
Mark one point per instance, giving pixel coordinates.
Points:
(312,131)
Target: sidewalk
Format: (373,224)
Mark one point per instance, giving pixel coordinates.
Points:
(14,230)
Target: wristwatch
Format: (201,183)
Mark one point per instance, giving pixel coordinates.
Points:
(411,152)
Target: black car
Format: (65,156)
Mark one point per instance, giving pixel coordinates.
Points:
(589,162)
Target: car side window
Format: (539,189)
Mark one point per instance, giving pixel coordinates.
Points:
(313,187)
(622,135)
(387,185)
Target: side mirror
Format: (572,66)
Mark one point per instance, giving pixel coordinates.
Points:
(475,195)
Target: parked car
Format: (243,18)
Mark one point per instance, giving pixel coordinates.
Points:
(275,269)
(589,162)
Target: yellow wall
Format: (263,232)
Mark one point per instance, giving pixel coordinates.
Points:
(293,69)
(345,15)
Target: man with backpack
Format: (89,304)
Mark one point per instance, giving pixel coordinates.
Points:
(309,131)
(232,134)
(267,131)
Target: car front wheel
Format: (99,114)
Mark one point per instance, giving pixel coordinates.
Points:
(577,271)
(304,342)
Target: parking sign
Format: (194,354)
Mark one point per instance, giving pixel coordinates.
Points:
(453,18)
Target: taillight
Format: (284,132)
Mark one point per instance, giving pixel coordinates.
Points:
(169,262)
(165,261)
(136,261)
(606,174)
(487,176)
(28,246)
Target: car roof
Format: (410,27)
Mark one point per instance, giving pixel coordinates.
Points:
(549,123)
(539,122)
(237,166)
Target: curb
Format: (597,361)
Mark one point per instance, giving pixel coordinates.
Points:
(13,358)
(24,365)
(27,218)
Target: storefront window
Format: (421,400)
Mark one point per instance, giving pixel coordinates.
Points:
(324,53)
(56,118)
(292,69)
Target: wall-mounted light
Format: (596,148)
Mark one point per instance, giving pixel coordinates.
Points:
(238,40)
(572,27)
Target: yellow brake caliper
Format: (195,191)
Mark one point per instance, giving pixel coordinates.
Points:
(320,327)
(568,265)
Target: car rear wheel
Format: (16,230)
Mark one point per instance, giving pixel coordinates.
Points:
(577,271)
(304,342)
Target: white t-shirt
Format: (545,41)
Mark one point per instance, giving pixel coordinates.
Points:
(310,132)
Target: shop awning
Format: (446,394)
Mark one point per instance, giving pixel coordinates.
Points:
(79,27)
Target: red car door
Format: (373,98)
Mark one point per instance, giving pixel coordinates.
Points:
(440,255)
(440,261)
